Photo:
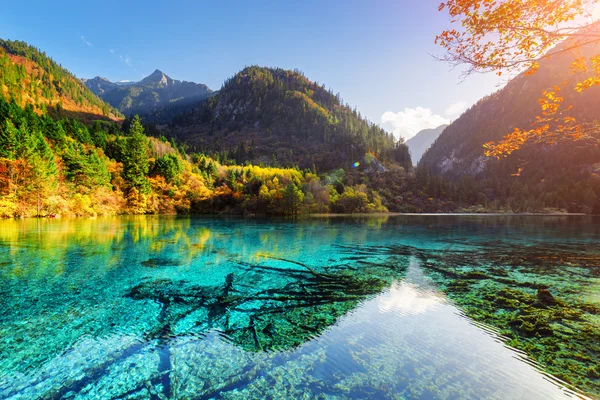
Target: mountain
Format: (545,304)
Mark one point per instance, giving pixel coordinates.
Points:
(564,176)
(99,85)
(29,77)
(419,143)
(279,117)
(151,93)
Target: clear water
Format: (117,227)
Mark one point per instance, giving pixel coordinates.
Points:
(379,307)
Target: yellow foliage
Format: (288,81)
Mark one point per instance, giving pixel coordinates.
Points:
(283,175)
(8,206)
(136,202)
(81,206)
(56,205)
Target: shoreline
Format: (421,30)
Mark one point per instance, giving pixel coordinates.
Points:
(316,216)
(394,214)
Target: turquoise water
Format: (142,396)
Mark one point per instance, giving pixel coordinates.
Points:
(378,307)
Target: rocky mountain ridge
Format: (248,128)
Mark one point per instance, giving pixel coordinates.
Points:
(149,94)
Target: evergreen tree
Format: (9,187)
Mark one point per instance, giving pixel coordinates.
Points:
(42,168)
(8,140)
(169,167)
(135,157)
(232,180)
(212,169)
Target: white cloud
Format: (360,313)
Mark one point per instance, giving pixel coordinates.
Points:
(411,121)
(84,40)
(596,13)
(456,109)
(408,299)
(126,59)
(123,58)
(414,295)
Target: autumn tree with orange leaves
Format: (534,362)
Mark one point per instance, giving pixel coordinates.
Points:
(514,36)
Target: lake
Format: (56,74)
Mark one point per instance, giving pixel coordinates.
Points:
(386,307)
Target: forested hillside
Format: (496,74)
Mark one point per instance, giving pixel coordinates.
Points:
(54,167)
(279,117)
(565,176)
(29,77)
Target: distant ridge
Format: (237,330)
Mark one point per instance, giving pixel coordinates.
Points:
(155,91)
(419,143)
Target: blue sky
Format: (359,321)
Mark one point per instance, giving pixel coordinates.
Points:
(376,54)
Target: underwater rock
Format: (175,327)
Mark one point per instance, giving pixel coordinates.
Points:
(532,326)
(476,275)
(545,298)
(162,262)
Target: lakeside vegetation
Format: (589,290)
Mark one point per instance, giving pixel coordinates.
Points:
(63,167)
